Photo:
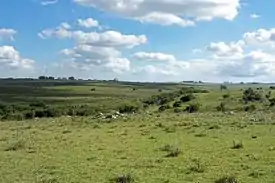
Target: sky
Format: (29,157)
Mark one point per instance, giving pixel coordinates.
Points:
(139,40)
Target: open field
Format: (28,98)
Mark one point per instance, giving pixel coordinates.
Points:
(84,150)
(208,135)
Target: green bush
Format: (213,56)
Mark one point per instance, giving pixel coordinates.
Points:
(177,104)
(225,96)
(128,108)
(192,108)
(123,179)
(38,104)
(227,179)
(164,107)
(221,107)
(187,98)
(249,95)
(250,108)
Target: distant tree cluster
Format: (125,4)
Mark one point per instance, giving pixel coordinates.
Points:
(52,78)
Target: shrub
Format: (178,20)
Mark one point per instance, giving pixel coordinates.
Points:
(250,95)
(272,102)
(128,108)
(160,90)
(173,152)
(272,87)
(197,166)
(177,110)
(15,146)
(187,98)
(123,179)
(227,179)
(221,107)
(164,107)
(93,89)
(38,104)
(225,96)
(250,108)
(177,104)
(193,108)
(237,145)
(268,95)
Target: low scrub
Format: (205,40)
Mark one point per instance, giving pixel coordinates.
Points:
(192,108)
(164,108)
(123,179)
(250,108)
(237,145)
(221,107)
(128,108)
(227,179)
(187,98)
(177,104)
(197,166)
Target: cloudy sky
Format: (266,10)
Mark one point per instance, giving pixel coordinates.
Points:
(139,40)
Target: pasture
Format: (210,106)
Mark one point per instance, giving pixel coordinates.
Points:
(212,144)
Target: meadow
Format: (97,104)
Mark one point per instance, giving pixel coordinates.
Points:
(223,139)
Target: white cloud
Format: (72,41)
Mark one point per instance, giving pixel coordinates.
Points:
(179,12)
(144,56)
(45,3)
(222,49)
(88,23)
(7,34)
(165,19)
(255,16)
(62,32)
(109,39)
(11,58)
(260,37)
(106,39)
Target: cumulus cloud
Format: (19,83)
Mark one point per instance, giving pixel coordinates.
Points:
(260,37)
(107,38)
(165,19)
(88,23)
(62,31)
(46,3)
(222,49)
(7,34)
(255,16)
(144,56)
(164,12)
(10,57)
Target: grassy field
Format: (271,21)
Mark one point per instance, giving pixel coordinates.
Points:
(147,147)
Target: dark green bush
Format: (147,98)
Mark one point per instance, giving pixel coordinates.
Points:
(93,89)
(272,102)
(250,108)
(227,179)
(164,107)
(128,108)
(221,107)
(225,96)
(123,179)
(177,104)
(187,98)
(249,95)
(192,108)
(38,104)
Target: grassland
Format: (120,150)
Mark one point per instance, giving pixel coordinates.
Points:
(149,146)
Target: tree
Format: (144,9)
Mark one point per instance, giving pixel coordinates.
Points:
(42,77)
(71,78)
(223,87)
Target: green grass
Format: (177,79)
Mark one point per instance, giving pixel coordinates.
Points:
(86,150)
(147,147)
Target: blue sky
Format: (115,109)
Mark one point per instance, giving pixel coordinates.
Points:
(146,40)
